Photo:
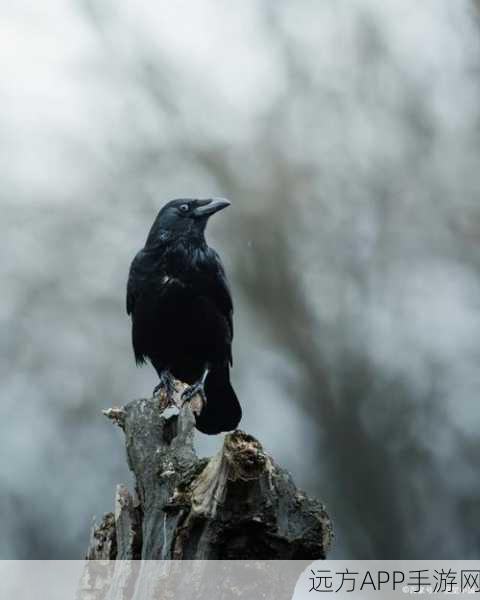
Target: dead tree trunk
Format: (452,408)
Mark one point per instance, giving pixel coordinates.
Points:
(238,504)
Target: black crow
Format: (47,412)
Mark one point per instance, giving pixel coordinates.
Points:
(181,309)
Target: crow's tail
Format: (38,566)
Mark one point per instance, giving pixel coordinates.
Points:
(222,411)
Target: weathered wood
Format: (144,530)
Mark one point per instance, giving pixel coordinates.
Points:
(238,504)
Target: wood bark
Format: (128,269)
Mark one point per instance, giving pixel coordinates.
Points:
(238,504)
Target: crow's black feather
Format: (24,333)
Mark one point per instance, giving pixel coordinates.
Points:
(181,308)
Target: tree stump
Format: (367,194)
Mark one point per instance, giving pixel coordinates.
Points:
(238,504)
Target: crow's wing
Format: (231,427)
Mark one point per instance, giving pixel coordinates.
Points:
(218,291)
(141,302)
(134,283)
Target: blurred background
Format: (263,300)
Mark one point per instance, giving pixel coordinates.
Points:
(346,135)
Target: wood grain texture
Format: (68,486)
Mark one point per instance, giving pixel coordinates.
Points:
(239,504)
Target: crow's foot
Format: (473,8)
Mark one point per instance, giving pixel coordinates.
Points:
(165,385)
(197,389)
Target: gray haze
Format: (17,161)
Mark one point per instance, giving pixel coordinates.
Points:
(346,135)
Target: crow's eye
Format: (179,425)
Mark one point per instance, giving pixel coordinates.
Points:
(184,208)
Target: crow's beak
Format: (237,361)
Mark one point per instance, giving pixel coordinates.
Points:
(211,206)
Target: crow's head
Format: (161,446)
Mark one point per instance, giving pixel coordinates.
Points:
(184,217)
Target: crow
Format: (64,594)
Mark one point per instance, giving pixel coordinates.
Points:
(182,311)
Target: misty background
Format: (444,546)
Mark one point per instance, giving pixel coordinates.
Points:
(346,135)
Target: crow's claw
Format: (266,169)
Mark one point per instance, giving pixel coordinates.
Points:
(197,389)
(165,385)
